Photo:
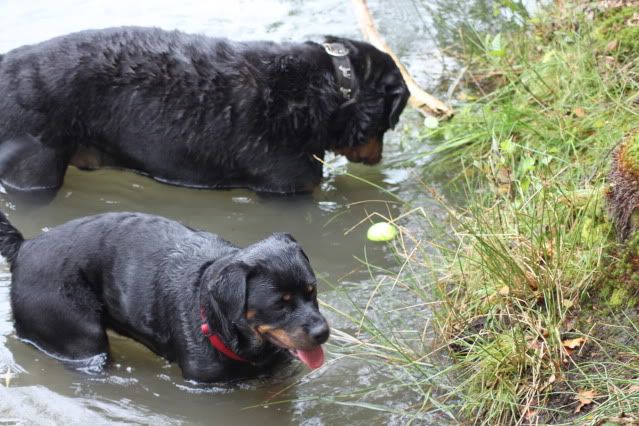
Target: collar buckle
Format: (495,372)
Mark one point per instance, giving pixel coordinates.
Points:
(335,49)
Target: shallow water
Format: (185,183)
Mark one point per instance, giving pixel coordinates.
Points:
(141,387)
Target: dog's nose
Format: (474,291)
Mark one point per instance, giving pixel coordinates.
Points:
(319,332)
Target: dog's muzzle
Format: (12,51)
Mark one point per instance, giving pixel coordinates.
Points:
(369,153)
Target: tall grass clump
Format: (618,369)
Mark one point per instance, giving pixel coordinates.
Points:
(527,293)
(532,294)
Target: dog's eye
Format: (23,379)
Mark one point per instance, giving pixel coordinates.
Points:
(310,288)
(284,302)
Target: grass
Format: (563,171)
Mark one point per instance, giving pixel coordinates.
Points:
(535,246)
(534,299)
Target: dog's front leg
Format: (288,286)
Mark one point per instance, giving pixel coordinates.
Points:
(26,164)
(288,175)
(198,371)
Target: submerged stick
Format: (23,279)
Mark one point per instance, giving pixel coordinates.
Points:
(424,102)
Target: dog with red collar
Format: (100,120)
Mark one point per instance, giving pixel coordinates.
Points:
(219,311)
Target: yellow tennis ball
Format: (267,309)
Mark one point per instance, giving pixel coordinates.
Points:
(382,231)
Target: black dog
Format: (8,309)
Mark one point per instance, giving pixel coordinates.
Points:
(219,311)
(192,110)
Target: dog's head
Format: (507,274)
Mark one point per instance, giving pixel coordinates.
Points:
(270,290)
(379,98)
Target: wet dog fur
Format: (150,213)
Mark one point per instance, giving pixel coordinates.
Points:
(151,279)
(189,110)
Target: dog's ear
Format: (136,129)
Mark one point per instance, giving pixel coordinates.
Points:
(285,236)
(396,95)
(288,237)
(228,293)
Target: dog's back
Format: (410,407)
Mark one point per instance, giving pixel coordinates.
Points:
(191,110)
(159,102)
(129,248)
(112,267)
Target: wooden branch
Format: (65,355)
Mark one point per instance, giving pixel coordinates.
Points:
(424,102)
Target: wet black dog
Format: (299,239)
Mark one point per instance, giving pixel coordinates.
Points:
(192,110)
(221,312)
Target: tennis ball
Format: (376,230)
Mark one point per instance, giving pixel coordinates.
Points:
(382,231)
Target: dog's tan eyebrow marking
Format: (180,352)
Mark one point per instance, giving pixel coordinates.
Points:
(250,314)
(287,297)
(310,288)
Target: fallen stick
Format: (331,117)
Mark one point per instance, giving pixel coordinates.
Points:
(422,101)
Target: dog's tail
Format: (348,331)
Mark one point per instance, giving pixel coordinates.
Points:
(10,239)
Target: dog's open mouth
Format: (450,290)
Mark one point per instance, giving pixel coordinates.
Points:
(313,358)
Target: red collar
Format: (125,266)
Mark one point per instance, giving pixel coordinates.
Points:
(216,340)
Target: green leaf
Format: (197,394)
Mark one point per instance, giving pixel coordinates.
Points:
(496,47)
(507,146)
(496,44)
(526,164)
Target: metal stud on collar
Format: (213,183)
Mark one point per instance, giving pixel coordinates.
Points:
(347,93)
(346,71)
(335,49)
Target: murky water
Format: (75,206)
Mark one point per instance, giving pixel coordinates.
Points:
(141,387)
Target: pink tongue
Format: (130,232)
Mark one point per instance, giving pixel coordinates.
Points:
(313,358)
